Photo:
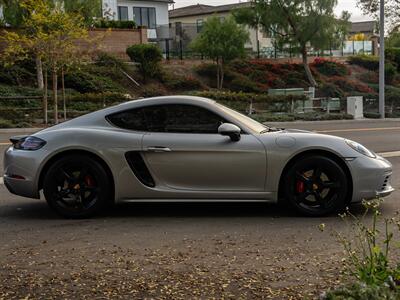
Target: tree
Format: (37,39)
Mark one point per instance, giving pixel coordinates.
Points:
(393,40)
(301,24)
(222,41)
(88,9)
(252,18)
(392,8)
(51,34)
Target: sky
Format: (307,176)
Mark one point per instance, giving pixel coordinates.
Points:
(349,5)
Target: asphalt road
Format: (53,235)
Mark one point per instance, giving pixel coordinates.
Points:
(181,251)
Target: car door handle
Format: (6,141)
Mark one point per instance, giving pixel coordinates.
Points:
(158,149)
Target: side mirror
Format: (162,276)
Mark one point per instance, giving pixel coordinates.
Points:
(230,130)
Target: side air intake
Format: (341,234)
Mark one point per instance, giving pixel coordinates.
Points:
(139,168)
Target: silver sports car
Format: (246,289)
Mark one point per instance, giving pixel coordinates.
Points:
(183,148)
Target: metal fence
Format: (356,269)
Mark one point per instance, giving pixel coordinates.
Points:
(175,40)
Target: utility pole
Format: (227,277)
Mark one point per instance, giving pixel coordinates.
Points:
(382,60)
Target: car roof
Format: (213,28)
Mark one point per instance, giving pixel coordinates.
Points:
(169,99)
(98,117)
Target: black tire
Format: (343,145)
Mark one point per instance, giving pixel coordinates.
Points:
(76,186)
(316,186)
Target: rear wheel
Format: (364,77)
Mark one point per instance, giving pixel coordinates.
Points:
(76,186)
(316,186)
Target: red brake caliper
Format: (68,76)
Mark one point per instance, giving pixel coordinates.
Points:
(89,181)
(300,186)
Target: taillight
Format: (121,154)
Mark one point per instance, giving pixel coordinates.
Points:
(29,143)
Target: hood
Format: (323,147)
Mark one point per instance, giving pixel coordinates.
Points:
(298,131)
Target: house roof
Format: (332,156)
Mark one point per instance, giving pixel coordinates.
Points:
(362,27)
(168,1)
(202,9)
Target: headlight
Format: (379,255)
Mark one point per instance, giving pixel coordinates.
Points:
(360,149)
(29,143)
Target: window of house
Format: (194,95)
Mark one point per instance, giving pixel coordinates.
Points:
(123,13)
(172,118)
(199,25)
(145,16)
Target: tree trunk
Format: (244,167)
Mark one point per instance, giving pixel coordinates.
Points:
(39,73)
(222,75)
(55,96)
(45,119)
(217,73)
(307,67)
(63,94)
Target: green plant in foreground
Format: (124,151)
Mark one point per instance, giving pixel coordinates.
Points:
(369,258)
(368,251)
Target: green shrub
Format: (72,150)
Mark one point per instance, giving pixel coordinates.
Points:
(365,61)
(148,56)
(393,54)
(330,90)
(6,124)
(86,80)
(240,101)
(369,77)
(372,63)
(180,83)
(247,97)
(312,116)
(102,98)
(270,117)
(243,84)
(152,90)
(209,71)
(206,70)
(16,75)
(104,23)
(372,115)
(330,67)
(390,72)
(350,86)
(104,59)
(10,91)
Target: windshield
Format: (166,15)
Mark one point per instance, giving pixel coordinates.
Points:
(249,122)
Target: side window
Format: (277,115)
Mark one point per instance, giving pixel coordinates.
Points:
(173,118)
(132,119)
(184,119)
(156,118)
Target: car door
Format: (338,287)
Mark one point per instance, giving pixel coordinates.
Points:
(184,151)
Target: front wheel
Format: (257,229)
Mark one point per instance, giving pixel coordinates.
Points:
(316,186)
(76,186)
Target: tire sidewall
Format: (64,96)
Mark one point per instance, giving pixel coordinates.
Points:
(100,176)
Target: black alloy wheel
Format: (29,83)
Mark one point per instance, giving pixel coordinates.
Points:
(316,186)
(76,186)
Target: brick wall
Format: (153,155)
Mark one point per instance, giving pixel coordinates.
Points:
(115,41)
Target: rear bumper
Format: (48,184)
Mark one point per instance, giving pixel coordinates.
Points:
(23,164)
(20,187)
(371,178)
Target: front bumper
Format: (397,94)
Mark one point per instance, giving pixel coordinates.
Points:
(371,178)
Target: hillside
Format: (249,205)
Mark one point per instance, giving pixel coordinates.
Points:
(105,81)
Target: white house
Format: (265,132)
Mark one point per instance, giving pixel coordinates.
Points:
(150,13)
